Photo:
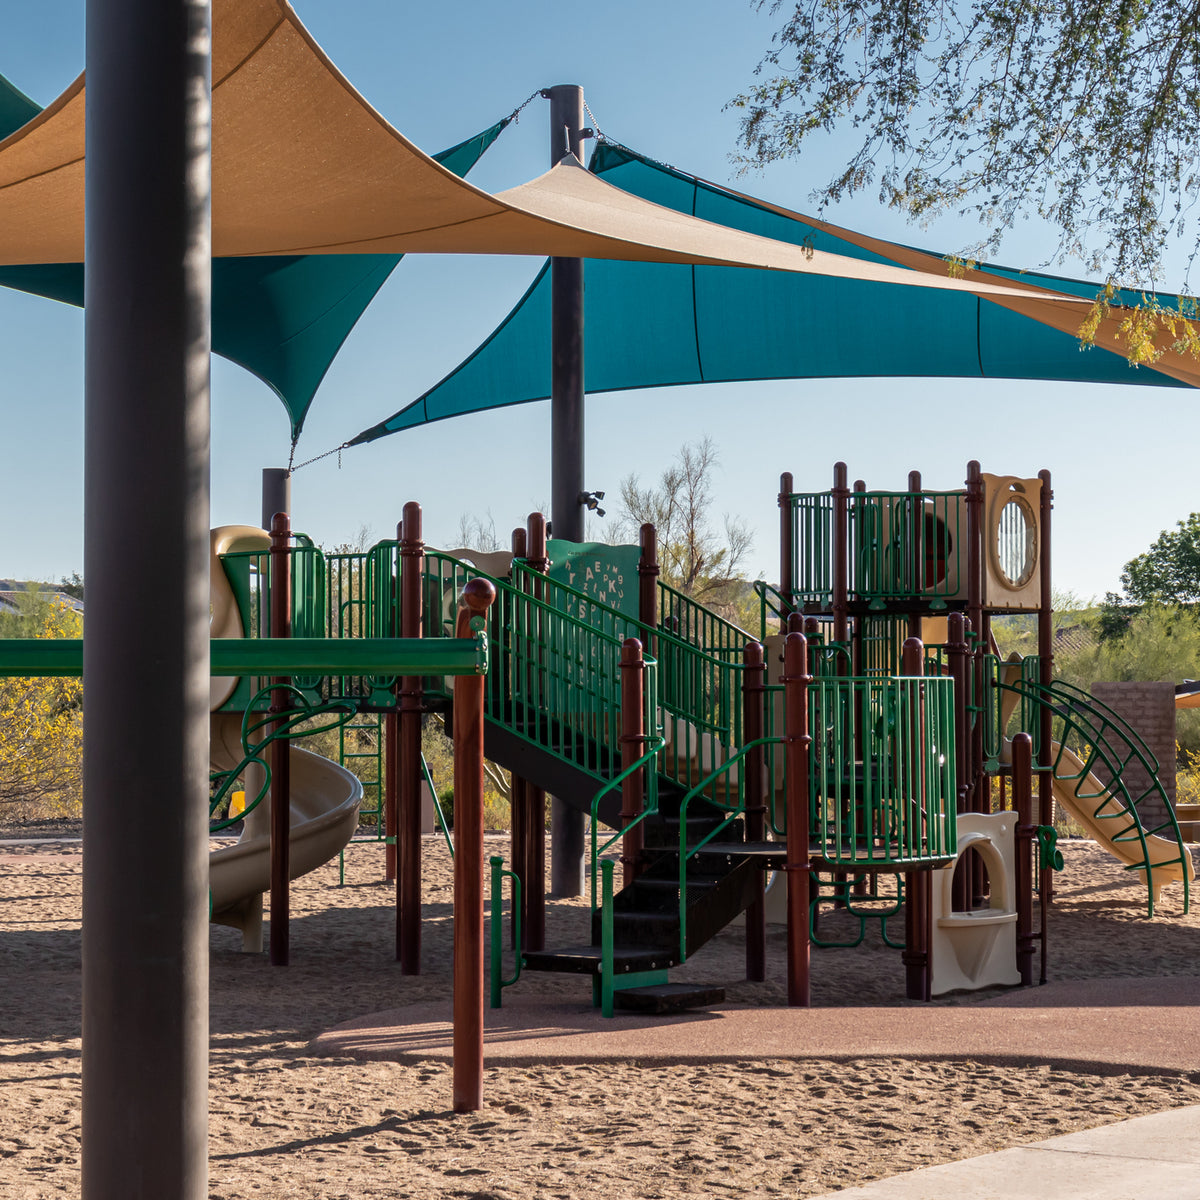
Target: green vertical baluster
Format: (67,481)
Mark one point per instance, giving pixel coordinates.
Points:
(606,938)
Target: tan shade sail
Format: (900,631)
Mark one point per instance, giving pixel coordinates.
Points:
(302,164)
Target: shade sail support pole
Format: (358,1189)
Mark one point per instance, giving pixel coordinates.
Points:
(146,501)
(566,443)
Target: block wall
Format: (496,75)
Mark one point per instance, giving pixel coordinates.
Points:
(1150,710)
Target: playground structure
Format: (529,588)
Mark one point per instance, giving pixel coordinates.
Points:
(707,761)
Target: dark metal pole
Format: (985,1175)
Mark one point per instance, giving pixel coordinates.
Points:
(408,875)
(145,934)
(281,799)
(276,493)
(566,443)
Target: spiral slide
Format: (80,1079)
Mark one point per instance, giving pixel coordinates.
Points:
(1099,811)
(324,796)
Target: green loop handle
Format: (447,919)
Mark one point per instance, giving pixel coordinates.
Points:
(1049,855)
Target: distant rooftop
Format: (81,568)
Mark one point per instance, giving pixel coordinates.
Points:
(12,590)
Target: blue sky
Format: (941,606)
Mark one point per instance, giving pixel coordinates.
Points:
(656,76)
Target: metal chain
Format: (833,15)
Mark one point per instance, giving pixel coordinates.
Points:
(595,124)
(308,461)
(515,115)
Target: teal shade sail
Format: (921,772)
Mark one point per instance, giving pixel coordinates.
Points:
(16,109)
(652,325)
(282,318)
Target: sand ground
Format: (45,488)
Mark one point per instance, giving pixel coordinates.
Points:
(286,1122)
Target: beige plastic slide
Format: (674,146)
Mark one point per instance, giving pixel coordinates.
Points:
(324,796)
(1099,800)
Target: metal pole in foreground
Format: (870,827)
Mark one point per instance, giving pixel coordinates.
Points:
(467,1069)
(145,935)
(281,761)
(566,443)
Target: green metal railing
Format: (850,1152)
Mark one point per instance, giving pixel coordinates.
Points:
(811,533)
(495,930)
(599,848)
(905,544)
(882,772)
(773,607)
(1011,705)
(733,807)
(558,673)
(902,544)
(683,617)
(279,727)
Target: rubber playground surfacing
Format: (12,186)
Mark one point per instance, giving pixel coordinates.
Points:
(754,1099)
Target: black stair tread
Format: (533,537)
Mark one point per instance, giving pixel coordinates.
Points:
(585,960)
(667,997)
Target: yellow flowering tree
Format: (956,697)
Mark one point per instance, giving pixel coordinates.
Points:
(41,723)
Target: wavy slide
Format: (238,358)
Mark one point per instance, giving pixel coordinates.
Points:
(324,796)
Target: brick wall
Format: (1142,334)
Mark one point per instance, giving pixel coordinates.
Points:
(1150,710)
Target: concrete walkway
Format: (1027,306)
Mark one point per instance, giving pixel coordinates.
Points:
(1146,1158)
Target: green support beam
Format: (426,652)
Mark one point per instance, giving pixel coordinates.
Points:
(276,656)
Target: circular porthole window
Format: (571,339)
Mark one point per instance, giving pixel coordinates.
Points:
(1015,548)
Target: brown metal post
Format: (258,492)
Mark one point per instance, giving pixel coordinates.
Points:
(468,864)
(959,661)
(918,908)
(633,742)
(391,793)
(787,563)
(977,783)
(281,627)
(796,680)
(1045,677)
(408,878)
(841,555)
(1022,786)
(648,572)
(518,805)
(856,632)
(536,797)
(917,549)
(753,718)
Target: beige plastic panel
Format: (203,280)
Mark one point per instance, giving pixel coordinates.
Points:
(1012,542)
(977,949)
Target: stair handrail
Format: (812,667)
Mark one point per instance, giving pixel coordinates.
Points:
(732,814)
(1071,705)
(730,638)
(650,810)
